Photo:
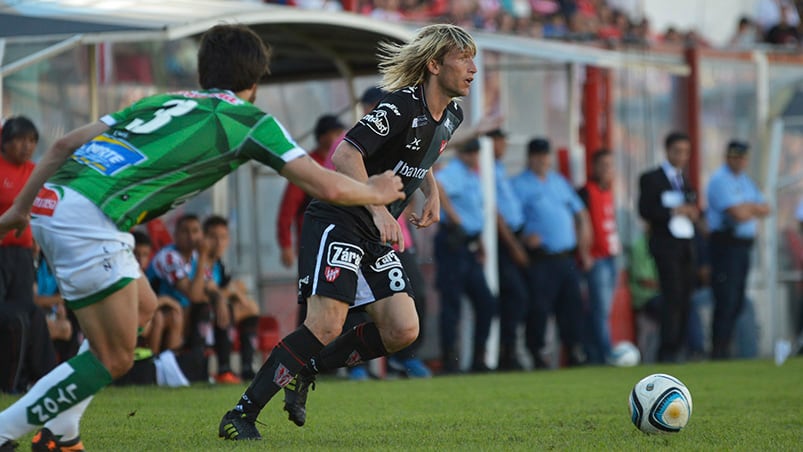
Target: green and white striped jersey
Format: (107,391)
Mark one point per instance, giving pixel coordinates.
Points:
(164,149)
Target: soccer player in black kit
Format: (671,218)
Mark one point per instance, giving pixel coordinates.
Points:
(346,259)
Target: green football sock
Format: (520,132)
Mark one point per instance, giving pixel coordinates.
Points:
(58,391)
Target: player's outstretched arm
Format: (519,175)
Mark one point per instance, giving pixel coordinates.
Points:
(337,188)
(19,214)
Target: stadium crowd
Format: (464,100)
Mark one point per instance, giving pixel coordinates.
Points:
(600,22)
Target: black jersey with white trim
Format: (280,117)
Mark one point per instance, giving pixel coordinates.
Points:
(399,135)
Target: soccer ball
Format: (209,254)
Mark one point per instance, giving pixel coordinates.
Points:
(660,403)
(625,354)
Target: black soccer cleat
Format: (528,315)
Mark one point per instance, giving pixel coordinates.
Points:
(295,397)
(237,427)
(8,446)
(45,441)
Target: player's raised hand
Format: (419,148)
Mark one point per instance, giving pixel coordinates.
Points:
(387,186)
(14,219)
(389,230)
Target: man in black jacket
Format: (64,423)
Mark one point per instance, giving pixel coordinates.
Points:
(668,204)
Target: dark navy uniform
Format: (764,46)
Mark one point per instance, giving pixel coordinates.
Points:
(341,255)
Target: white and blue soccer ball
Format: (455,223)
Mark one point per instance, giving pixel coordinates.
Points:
(625,354)
(660,403)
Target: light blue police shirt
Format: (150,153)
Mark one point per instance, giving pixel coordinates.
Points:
(507,203)
(462,186)
(725,190)
(549,209)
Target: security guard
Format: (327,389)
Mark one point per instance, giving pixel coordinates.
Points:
(459,255)
(556,226)
(734,205)
(512,258)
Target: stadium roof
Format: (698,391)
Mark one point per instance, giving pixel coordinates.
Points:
(307,44)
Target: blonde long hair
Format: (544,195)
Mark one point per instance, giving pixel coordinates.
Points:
(403,65)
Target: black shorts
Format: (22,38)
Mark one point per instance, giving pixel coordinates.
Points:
(336,262)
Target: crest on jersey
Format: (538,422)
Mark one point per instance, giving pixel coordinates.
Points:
(108,155)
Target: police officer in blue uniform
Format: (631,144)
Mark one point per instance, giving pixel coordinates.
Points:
(556,227)
(734,206)
(512,258)
(459,255)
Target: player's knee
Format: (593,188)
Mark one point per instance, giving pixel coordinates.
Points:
(325,333)
(400,337)
(119,364)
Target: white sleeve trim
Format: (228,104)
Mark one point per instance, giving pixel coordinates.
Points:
(293,154)
(108,120)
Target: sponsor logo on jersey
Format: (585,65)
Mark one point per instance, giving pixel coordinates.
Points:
(331,273)
(391,107)
(108,155)
(420,121)
(386,262)
(45,202)
(414,145)
(404,169)
(377,121)
(282,376)
(443,146)
(344,255)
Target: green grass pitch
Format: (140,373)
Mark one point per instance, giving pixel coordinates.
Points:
(738,405)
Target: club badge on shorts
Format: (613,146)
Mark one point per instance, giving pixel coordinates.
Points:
(331,273)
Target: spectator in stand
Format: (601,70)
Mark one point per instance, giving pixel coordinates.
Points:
(555,27)
(63,329)
(328,131)
(171,271)
(166,329)
(601,278)
(672,37)
(556,229)
(326,5)
(459,255)
(746,35)
(669,205)
(512,258)
(608,27)
(388,10)
(734,207)
(237,309)
(21,321)
(773,12)
(17,145)
(784,32)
